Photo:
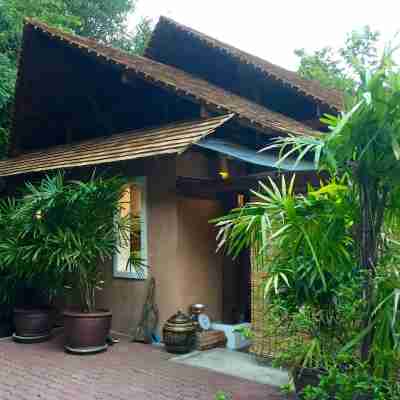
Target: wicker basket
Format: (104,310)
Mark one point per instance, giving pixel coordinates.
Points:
(207,340)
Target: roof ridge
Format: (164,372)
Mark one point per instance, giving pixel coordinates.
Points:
(261,64)
(94,43)
(184,84)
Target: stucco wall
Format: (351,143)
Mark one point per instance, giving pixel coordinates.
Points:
(196,164)
(181,252)
(125,297)
(200,266)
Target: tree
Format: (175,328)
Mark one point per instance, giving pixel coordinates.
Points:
(103,20)
(364,145)
(142,35)
(339,69)
(362,148)
(7,83)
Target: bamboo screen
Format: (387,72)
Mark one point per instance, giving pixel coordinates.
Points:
(270,336)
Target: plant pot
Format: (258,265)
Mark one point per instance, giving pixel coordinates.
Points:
(5,329)
(32,325)
(86,333)
(303,377)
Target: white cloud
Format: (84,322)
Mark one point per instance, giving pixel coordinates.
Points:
(272,29)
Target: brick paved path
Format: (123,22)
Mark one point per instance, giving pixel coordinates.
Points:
(127,371)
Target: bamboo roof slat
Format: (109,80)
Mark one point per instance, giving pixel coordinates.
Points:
(169,139)
(180,82)
(309,88)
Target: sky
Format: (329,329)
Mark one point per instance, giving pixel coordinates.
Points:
(273,29)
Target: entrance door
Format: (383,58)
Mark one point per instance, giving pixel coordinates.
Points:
(236,279)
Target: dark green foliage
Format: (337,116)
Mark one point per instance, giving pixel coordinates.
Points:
(16,287)
(8,279)
(339,69)
(59,232)
(7,83)
(363,144)
(142,36)
(324,66)
(299,231)
(104,20)
(332,257)
(352,381)
(307,248)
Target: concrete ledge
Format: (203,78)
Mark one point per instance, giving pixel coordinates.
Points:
(234,363)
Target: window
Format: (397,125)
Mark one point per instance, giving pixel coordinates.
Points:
(133,203)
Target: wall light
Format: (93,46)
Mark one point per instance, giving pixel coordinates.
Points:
(223,168)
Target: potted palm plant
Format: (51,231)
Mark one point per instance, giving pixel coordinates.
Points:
(6,305)
(26,290)
(75,227)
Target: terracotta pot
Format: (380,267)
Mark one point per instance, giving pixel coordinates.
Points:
(86,331)
(303,377)
(32,323)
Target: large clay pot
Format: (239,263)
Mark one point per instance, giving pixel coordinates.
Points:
(5,329)
(86,332)
(179,334)
(32,324)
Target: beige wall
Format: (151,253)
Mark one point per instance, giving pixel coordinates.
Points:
(196,164)
(125,297)
(181,252)
(200,266)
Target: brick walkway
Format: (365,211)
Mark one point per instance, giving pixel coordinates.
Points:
(127,371)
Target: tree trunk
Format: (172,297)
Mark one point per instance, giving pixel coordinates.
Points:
(372,207)
(367,258)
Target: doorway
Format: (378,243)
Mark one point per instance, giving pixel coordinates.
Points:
(236,276)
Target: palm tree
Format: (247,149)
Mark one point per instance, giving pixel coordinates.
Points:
(362,149)
(364,144)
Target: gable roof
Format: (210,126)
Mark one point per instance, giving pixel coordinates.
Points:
(307,88)
(172,80)
(168,139)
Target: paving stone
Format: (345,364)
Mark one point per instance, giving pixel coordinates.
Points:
(127,371)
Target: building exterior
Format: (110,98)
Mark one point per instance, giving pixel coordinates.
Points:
(185,123)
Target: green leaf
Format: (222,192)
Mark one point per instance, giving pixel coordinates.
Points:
(396,148)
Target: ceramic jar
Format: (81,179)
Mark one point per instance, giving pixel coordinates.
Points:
(179,334)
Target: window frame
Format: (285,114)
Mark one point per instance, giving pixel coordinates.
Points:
(132,274)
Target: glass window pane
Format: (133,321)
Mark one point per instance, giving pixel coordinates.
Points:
(133,205)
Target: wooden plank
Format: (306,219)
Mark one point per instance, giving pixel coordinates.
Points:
(206,340)
(138,136)
(181,83)
(137,144)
